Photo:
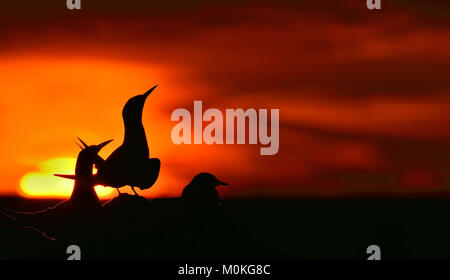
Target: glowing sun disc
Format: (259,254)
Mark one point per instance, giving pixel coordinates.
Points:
(43,183)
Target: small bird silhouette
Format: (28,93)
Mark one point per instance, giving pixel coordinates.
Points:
(201,191)
(82,207)
(83,192)
(129,164)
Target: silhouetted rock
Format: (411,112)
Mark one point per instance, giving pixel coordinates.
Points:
(20,242)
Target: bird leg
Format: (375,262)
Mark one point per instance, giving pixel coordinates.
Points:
(134,191)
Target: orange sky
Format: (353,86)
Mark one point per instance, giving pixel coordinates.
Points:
(364,96)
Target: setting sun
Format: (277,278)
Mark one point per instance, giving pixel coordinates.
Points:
(44,183)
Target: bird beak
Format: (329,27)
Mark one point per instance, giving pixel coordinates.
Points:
(78,145)
(220,183)
(101,145)
(149,91)
(82,142)
(72,177)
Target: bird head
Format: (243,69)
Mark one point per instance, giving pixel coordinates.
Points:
(207,179)
(132,111)
(85,161)
(91,152)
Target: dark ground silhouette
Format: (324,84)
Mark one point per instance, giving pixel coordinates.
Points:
(131,227)
(247,229)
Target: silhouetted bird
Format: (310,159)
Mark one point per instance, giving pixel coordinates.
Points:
(129,164)
(201,191)
(83,192)
(82,207)
(203,221)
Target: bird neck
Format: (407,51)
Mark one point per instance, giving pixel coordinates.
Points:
(83,190)
(134,132)
(84,165)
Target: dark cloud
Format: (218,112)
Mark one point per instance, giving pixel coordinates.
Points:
(247,50)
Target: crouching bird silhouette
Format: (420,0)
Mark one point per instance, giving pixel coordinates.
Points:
(129,164)
(81,210)
(205,227)
(201,192)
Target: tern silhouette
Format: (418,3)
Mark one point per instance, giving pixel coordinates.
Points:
(83,206)
(201,191)
(85,181)
(130,164)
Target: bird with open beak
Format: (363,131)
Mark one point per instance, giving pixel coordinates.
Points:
(129,164)
(81,211)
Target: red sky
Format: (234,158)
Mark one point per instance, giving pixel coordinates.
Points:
(364,96)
